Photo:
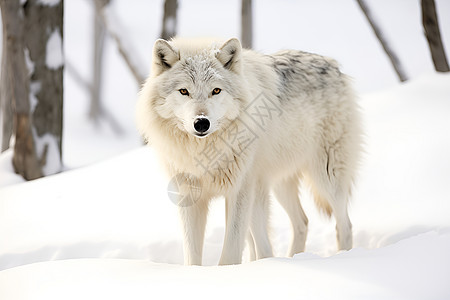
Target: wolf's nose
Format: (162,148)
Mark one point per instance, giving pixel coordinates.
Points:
(201,125)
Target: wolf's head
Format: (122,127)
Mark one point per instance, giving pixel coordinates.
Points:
(197,86)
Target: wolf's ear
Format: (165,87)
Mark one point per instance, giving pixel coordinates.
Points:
(230,55)
(164,57)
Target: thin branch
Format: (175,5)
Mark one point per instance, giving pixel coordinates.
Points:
(390,53)
(97,63)
(105,17)
(72,71)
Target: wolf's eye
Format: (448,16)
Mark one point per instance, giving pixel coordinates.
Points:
(216,91)
(184,92)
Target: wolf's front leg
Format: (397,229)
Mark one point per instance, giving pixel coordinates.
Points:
(193,219)
(238,211)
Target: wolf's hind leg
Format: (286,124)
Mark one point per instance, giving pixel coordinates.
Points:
(331,188)
(343,225)
(287,194)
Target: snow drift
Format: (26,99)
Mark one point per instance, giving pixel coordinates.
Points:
(110,231)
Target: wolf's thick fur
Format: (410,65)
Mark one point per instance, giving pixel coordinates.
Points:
(271,119)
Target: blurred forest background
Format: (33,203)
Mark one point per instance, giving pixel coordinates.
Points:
(71,70)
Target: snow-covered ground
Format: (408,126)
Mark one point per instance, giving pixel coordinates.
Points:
(118,214)
(106,229)
(416,268)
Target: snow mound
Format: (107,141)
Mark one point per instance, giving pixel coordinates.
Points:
(110,231)
(416,268)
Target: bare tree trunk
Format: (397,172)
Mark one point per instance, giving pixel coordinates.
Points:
(99,42)
(169,26)
(390,53)
(16,84)
(247,24)
(433,34)
(35,79)
(6,117)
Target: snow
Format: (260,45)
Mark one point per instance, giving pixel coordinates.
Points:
(106,228)
(29,62)
(35,88)
(54,58)
(360,274)
(47,149)
(110,228)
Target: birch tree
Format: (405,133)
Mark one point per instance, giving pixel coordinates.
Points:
(33,64)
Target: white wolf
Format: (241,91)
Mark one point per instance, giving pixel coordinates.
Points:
(237,123)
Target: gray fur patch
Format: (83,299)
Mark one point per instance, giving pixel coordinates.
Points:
(301,72)
(200,70)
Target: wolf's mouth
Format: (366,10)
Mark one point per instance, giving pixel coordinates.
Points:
(201,135)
